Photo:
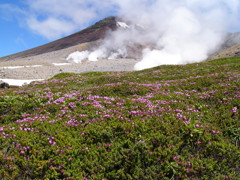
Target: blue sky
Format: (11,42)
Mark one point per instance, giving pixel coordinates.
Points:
(13,37)
(25,24)
(29,23)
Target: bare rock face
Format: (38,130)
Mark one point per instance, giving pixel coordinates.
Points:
(4,85)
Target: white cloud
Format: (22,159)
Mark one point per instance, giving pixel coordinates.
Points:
(51,27)
(10,12)
(56,18)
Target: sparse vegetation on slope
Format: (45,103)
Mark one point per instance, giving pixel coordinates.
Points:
(169,122)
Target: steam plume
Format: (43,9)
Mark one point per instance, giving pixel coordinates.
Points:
(169,32)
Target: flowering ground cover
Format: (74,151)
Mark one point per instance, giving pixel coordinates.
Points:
(169,122)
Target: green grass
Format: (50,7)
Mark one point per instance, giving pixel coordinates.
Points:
(168,122)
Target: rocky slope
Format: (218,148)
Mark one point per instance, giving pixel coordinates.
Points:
(232,51)
(230,48)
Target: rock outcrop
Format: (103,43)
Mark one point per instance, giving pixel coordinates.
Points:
(4,85)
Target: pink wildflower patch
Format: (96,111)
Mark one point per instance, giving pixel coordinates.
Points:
(234,110)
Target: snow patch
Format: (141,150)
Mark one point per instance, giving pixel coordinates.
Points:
(19,82)
(12,67)
(123,25)
(34,66)
(19,67)
(61,64)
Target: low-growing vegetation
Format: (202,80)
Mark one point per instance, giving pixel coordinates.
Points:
(169,122)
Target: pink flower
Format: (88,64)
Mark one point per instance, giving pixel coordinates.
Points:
(216,132)
(234,110)
(175,157)
(22,152)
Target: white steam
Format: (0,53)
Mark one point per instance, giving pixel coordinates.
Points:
(113,47)
(171,32)
(101,53)
(185,39)
(78,56)
(95,55)
(161,32)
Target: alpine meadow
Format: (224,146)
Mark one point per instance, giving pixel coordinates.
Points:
(167,122)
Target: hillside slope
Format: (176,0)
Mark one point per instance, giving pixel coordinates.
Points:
(169,122)
(230,48)
(233,51)
(90,34)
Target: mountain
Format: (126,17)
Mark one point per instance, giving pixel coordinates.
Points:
(90,34)
(89,38)
(230,47)
(47,60)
